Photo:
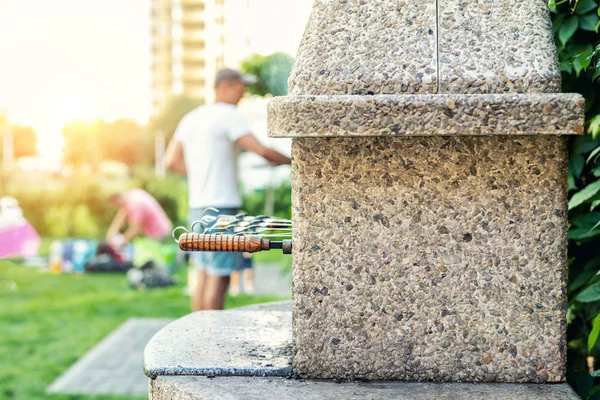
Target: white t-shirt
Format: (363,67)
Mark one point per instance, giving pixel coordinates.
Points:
(208,135)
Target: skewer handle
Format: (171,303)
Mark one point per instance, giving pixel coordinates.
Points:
(222,243)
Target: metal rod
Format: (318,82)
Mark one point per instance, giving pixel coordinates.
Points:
(236,233)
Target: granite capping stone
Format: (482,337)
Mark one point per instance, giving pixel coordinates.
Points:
(244,388)
(361,47)
(496,47)
(447,264)
(232,343)
(364,47)
(426,115)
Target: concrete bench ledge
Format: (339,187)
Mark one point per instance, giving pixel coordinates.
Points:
(248,388)
(245,342)
(426,115)
(245,353)
(285,305)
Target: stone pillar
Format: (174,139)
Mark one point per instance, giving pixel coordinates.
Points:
(429,191)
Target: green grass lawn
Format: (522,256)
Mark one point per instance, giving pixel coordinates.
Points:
(48,321)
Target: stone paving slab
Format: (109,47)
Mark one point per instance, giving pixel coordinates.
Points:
(250,388)
(250,343)
(272,279)
(114,366)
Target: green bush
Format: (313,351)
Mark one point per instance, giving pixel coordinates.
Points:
(170,192)
(74,207)
(272,72)
(254,202)
(576,24)
(78,206)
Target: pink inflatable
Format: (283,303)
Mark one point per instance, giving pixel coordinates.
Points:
(19,240)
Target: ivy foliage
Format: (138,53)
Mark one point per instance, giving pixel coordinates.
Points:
(576,24)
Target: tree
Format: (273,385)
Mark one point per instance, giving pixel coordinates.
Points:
(272,72)
(122,140)
(167,119)
(24,138)
(81,143)
(25,141)
(125,141)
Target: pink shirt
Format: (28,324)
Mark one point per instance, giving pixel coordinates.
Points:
(144,210)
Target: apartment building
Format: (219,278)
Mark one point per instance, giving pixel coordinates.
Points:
(188,47)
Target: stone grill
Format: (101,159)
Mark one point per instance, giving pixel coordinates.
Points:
(429,191)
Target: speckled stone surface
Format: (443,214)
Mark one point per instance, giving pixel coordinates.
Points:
(243,342)
(367,47)
(496,46)
(234,388)
(439,255)
(434,258)
(426,114)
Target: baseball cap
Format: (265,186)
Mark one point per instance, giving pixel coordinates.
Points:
(233,75)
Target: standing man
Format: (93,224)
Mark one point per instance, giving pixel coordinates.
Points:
(205,147)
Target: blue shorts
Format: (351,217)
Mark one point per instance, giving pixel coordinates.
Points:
(246,261)
(214,263)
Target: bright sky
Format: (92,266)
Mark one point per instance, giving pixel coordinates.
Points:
(87,59)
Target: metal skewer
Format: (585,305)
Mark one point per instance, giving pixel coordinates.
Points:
(236,233)
(230,243)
